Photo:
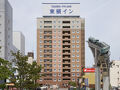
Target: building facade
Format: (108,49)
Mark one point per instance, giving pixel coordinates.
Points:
(115,74)
(5,29)
(30,57)
(19,41)
(60,48)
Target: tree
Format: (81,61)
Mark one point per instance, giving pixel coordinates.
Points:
(5,71)
(28,74)
(21,66)
(72,84)
(33,75)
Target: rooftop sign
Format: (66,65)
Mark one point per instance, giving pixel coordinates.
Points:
(61,9)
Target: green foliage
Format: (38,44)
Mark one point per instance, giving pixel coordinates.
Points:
(72,84)
(4,69)
(92,89)
(27,74)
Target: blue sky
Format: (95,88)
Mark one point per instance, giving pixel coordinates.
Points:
(102,20)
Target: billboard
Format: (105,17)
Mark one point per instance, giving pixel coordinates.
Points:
(89,70)
(61,9)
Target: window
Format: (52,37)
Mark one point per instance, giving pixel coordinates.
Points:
(55,55)
(66,22)
(40,50)
(40,36)
(72,26)
(59,27)
(59,46)
(40,79)
(59,60)
(73,31)
(54,26)
(77,60)
(77,31)
(77,55)
(66,26)
(59,41)
(78,74)
(73,50)
(73,79)
(59,31)
(54,50)
(40,31)
(59,36)
(59,50)
(59,79)
(54,60)
(77,70)
(54,41)
(77,41)
(40,41)
(59,65)
(77,65)
(73,41)
(47,21)
(73,70)
(73,60)
(59,74)
(54,74)
(73,65)
(72,21)
(41,46)
(55,70)
(73,36)
(55,80)
(77,50)
(41,56)
(54,36)
(73,55)
(54,46)
(41,60)
(73,74)
(40,26)
(77,46)
(117,66)
(54,65)
(77,36)
(59,55)
(47,26)
(59,70)
(73,46)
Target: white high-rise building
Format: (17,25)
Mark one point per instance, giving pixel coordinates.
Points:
(19,41)
(5,29)
(115,74)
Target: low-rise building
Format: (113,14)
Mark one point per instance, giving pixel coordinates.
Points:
(115,73)
(30,57)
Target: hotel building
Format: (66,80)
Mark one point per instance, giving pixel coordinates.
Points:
(60,48)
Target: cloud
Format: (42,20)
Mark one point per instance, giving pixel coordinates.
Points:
(101,16)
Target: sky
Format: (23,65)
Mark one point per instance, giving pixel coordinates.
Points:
(102,21)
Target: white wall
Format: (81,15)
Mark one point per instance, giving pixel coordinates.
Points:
(19,41)
(115,74)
